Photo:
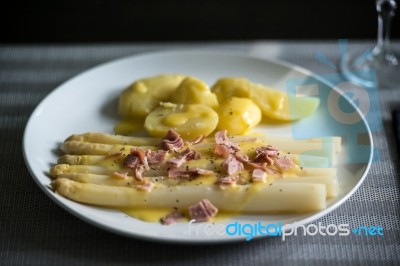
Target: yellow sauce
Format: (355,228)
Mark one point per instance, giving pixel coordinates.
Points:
(155,214)
(129,126)
(209,161)
(147,214)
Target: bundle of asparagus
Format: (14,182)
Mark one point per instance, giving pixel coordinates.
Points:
(101,169)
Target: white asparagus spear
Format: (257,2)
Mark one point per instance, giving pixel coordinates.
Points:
(106,180)
(284,197)
(102,170)
(88,148)
(331,182)
(61,169)
(96,137)
(302,160)
(285,147)
(129,181)
(81,159)
(336,142)
(105,138)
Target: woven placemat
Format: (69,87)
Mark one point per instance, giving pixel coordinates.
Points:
(35,231)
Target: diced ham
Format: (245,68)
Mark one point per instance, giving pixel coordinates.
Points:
(242,158)
(135,158)
(155,157)
(139,173)
(119,175)
(148,186)
(197,140)
(258,175)
(224,146)
(227,181)
(172,141)
(221,151)
(186,155)
(190,155)
(141,155)
(284,163)
(172,217)
(176,162)
(131,161)
(265,167)
(256,165)
(245,160)
(221,137)
(202,211)
(269,170)
(192,172)
(232,165)
(266,154)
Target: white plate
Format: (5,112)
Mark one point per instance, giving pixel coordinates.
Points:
(86,103)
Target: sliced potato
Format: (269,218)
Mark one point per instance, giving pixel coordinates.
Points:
(237,115)
(281,106)
(189,120)
(194,91)
(226,88)
(144,95)
(274,104)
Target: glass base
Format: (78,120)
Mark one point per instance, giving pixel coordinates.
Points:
(364,69)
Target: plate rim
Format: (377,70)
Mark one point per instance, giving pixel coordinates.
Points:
(180,52)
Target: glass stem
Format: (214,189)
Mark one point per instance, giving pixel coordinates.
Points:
(386,10)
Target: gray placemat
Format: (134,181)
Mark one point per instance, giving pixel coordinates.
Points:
(35,231)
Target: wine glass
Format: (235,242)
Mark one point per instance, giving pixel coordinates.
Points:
(382,61)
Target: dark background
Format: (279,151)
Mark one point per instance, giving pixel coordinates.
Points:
(183,20)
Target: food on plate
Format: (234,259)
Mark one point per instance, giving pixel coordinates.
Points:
(139,102)
(189,120)
(274,104)
(194,91)
(226,88)
(198,162)
(282,106)
(196,178)
(238,115)
(144,95)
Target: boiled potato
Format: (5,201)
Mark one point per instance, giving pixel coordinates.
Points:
(144,95)
(194,91)
(274,104)
(189,120)
(281,106)
(226,88)
(237,115)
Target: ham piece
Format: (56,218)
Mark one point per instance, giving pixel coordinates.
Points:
(186,155)
(155,157)
(232,165)
(202,211)
(172,141)
(266,154)
(148,186)
(136,157)
(284,163)
(223,146)
(227,181)
(172,217)
(258,175)
(192,172)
